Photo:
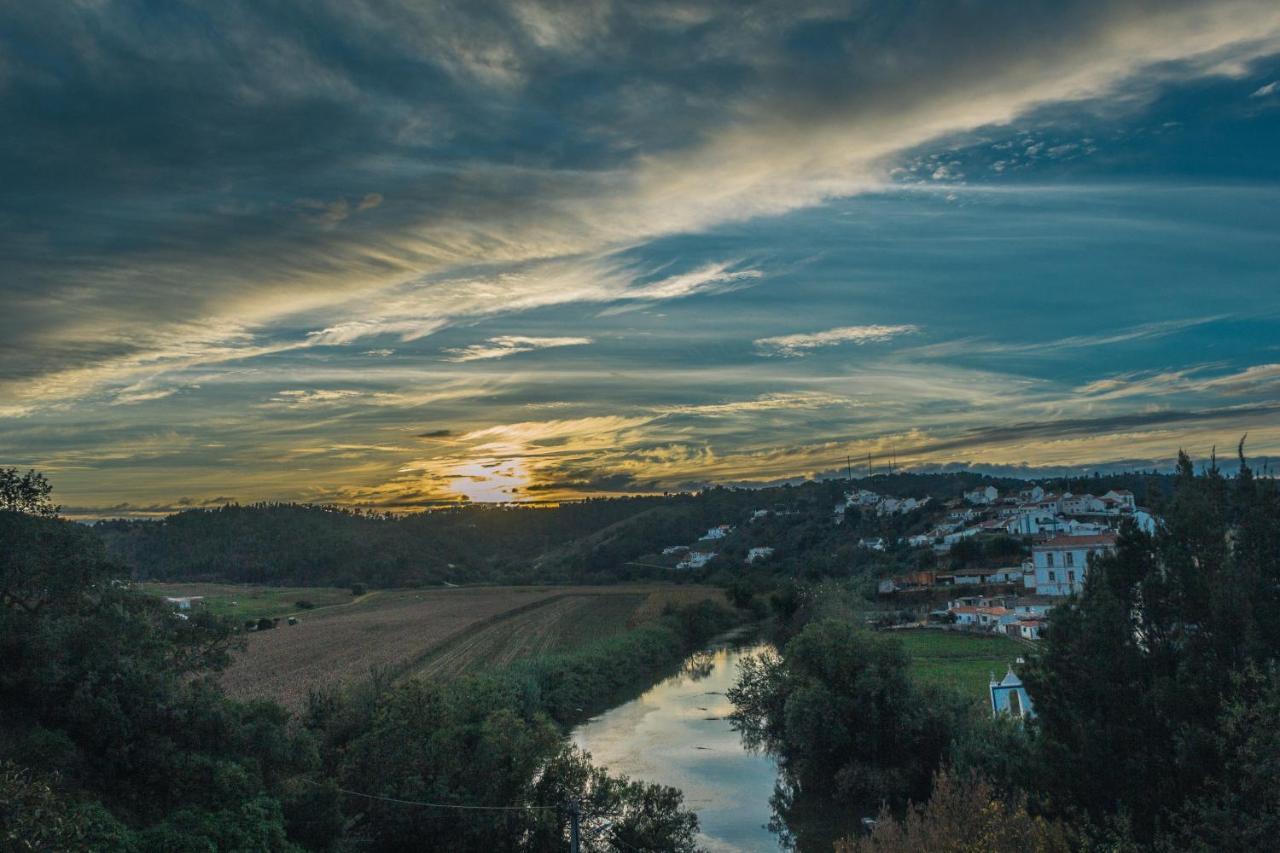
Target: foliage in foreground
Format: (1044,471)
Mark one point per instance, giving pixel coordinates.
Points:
(1157,691)
(964,814)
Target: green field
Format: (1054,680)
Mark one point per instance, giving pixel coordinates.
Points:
(960,660)
(244,602)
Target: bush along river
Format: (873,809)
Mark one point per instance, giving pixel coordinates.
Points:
(678,733)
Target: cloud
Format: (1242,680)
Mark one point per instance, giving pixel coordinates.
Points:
(800,344)
(313,398)
(1267,90)
(509,345)
(705,117)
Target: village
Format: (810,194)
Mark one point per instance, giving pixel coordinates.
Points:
(1056,535)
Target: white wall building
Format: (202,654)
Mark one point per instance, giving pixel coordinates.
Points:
(695,560)
(1124,497)
(1062,562)
(982,496)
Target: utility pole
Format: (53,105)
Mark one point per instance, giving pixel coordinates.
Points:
(848,468)
(575,814)
(869,469)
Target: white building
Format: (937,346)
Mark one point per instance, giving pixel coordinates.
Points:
(1029,628)
(876,544)
(763,552)
(982,496)
(1123,497)
(1082,504)
(1062,562)
(718,532)
(1008,696)
(184,603)
(1145,520)
(1032,521)
(695,560)
(1031,495)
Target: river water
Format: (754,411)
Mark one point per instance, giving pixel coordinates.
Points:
(678,733)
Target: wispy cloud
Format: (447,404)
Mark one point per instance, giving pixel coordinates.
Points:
(802,343)
(314,397)
(504,346)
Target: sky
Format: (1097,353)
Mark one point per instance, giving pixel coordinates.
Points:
(404,254)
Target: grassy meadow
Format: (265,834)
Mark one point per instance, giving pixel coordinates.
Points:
(957,659)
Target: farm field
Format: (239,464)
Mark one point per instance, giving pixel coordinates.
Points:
(438,632)
(244,601)
(961,660)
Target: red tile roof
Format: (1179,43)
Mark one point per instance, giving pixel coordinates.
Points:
(1066,543)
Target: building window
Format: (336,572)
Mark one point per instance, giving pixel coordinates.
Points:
(1071,576)
(1071,558)
(1048,559)
(1053,577)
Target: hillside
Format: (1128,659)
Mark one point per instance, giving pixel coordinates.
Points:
(597,541)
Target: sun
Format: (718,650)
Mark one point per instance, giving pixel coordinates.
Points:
(491,480)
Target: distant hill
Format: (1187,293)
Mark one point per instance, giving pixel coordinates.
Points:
(594,540)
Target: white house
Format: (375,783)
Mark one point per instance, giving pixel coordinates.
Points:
(1075,527)
(1029,607)
(1082,504)
(1145,520)
(718,532)
(184,603)
(1061,562)
(876,544)
(982,496)
(1031,495)
(1123,497)
(1029,522)
(996,618)
(762,552)
(695,560)
(674,549)
(1029,627)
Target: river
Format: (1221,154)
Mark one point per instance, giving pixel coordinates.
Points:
(678,733)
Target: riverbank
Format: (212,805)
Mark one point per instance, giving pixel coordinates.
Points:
(678,733)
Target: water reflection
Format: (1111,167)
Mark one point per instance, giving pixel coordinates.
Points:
(678,733)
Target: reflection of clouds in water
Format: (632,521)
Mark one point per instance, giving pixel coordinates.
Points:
(676,734)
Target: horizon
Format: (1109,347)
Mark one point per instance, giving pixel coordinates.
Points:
(1230,466)
(409,257)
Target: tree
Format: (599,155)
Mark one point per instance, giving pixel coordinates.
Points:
(27,494)
(1132,683)
(840,711)
(964,814)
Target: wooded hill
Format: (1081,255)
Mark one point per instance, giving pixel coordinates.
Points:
(588,541)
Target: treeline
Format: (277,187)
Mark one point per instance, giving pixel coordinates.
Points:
(115,737)
(594,541)
(1157,695)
